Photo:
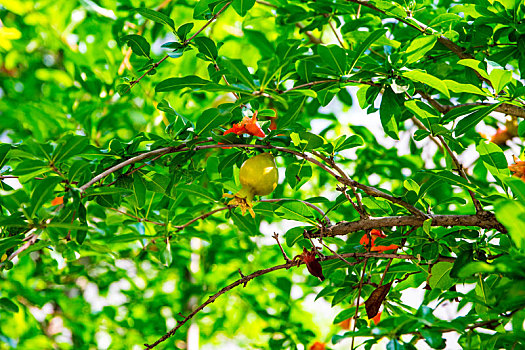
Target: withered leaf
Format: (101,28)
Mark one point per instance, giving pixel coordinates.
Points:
(375,299)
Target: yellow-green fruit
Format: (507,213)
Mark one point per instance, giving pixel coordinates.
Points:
(258,175)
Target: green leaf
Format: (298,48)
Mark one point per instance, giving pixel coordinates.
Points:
(394,344)
(239,71)
(156,16)
(392,8)
(444,20)
(343,142)
(245,223)
(456,87)
(424,112)
(260,41)
(312,141)
(196,190)
(302,92)
(364,45)
(334,57)
(341,295)
(345,314)
(139,45)
(173,84)
(297,211)
(7,304)
(293,235)
(106,191)
(70,146)
(184,30)
(305,69)
(4,150)
(139,190)
(43,193)
(470,121)
(476,65)
(293,112)
(440,276)
(512,215)
(464,257)
(209,119)
(430,80)
(298,173)
(434,338)
(499,79)
(453,179)
(242,6)
(419,47)
(390,111)
(517,186)
(207,47)
(493,159)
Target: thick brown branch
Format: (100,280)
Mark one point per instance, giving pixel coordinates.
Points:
(486,221)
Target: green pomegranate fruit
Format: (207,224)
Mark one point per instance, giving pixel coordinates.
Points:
(258,176)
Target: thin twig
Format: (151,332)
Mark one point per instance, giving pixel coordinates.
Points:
(276,237)
(420,126)
(461,171)
(310,84)
(30,240)
(216,66)
(338,255)
(203,216)
(213,18)
(137,218)
(336,34)
(386,270)
(359,209)
(125,61)
(155,65)
(372,191)
(359,203)
(357,302)
(125,163)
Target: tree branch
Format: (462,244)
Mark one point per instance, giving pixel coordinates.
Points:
(372,191)
(485,220)
(258,273)
(414,23)
(461,171)
(203,216)
(155,65)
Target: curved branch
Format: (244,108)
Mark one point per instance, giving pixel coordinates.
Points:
(245,279)
(372,191)
(125,163)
